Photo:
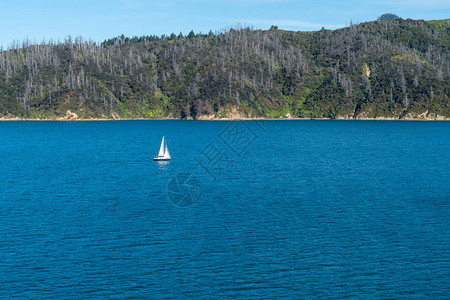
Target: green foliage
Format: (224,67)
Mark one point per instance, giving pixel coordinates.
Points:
(386,68)
(440,25)
(388,17)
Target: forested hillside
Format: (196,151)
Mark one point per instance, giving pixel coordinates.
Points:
(386,68)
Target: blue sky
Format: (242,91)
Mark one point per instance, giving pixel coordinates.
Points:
(102,19)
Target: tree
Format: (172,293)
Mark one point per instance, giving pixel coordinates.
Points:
(388,17)
(191,34)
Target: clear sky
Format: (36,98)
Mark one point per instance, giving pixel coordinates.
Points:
(103,19)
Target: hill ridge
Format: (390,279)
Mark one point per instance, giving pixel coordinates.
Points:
(396,69)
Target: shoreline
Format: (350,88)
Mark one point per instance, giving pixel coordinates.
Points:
(232,114)
(220,119)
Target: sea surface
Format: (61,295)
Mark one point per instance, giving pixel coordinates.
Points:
(254,209)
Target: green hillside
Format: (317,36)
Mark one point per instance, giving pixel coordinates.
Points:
(382,69)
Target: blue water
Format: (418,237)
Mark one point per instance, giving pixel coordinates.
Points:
(275,209)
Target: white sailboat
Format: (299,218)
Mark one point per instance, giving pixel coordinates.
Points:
(163,154)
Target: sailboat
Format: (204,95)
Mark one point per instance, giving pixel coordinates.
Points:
(163,154)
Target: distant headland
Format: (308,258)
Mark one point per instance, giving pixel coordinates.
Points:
(389,69)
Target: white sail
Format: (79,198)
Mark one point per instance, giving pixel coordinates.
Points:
(166,153)
(161,149)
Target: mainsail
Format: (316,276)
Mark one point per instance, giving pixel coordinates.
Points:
(161,149)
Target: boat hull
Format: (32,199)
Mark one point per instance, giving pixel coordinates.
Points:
(161,159)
